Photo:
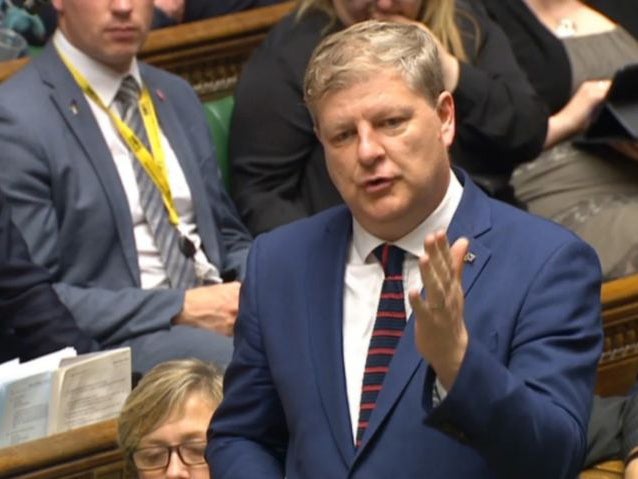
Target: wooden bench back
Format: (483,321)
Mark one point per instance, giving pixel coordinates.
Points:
(88,452)
(618,367)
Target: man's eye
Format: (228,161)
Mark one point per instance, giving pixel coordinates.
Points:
(342,136)
(392,122)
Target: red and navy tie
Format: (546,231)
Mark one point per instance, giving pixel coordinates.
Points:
(387,331)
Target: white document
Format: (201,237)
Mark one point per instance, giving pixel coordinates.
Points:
(89,388)
(61,391)
(25,405)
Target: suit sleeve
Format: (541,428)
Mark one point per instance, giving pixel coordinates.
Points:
(29,308)
(498,111)
(108,315)
(528,416)
(248,434)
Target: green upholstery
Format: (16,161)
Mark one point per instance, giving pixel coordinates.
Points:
(218,113)
(35,51)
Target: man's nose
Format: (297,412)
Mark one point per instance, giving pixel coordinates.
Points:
(121,6)
(369,148)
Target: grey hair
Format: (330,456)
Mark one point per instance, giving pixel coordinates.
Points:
(366,48)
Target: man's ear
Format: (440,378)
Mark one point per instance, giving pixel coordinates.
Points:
(57,4)
(445,111)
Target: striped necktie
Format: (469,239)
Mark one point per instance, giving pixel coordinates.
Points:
(180,270)
(388,328)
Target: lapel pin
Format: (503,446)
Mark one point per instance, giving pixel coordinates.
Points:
(160,94)
(469,257)
(73,107)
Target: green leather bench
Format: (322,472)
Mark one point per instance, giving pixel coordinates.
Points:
(218,113)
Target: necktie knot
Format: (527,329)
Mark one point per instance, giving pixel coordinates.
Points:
(391,259)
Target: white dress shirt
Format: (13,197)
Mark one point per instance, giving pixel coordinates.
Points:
(363,283)
(105,82)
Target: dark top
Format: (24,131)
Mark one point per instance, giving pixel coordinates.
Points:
(278,170)
(201,9)
(33,321)
(613,428)
(540,53)
(624,12)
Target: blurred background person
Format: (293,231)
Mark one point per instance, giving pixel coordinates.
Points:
(570,52)
(162,426)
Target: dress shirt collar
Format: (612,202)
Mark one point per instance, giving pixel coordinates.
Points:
(364,242)
(104,81)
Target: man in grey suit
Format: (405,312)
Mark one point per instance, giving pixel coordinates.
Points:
(110,169)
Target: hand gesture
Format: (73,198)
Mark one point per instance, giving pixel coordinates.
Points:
(441,335)
(211,307)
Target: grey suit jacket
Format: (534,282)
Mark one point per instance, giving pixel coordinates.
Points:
(70,205)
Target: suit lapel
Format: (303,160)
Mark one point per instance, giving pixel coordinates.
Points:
(174,132)
(325,318)
(77,114)
(471,220)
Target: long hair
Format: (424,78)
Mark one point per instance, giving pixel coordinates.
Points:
(440,16)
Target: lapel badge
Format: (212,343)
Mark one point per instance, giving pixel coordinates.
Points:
(160,94)
(73,107)
(469,257)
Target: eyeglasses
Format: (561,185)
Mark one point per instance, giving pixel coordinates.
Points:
(158,457)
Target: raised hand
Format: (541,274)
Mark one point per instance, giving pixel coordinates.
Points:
(440,332)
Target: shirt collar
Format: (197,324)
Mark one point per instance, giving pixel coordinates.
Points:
(364,242)
(104,81)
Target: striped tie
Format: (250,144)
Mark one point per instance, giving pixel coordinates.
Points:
(179,269)
(387,331)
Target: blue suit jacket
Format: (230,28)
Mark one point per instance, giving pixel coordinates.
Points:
(519,406)
(32,319)
(69,203)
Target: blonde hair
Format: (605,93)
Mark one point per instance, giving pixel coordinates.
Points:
(365,48)
(438,15)
(161,392)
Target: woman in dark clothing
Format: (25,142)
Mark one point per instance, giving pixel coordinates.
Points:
(570,52)
(278,171)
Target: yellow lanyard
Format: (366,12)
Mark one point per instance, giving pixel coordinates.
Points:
(155,163)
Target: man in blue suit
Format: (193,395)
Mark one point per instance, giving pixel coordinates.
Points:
(33,321)
(111,172)
(491,375)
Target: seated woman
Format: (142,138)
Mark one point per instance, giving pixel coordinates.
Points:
(162,426)
(570,52)
(277,164)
